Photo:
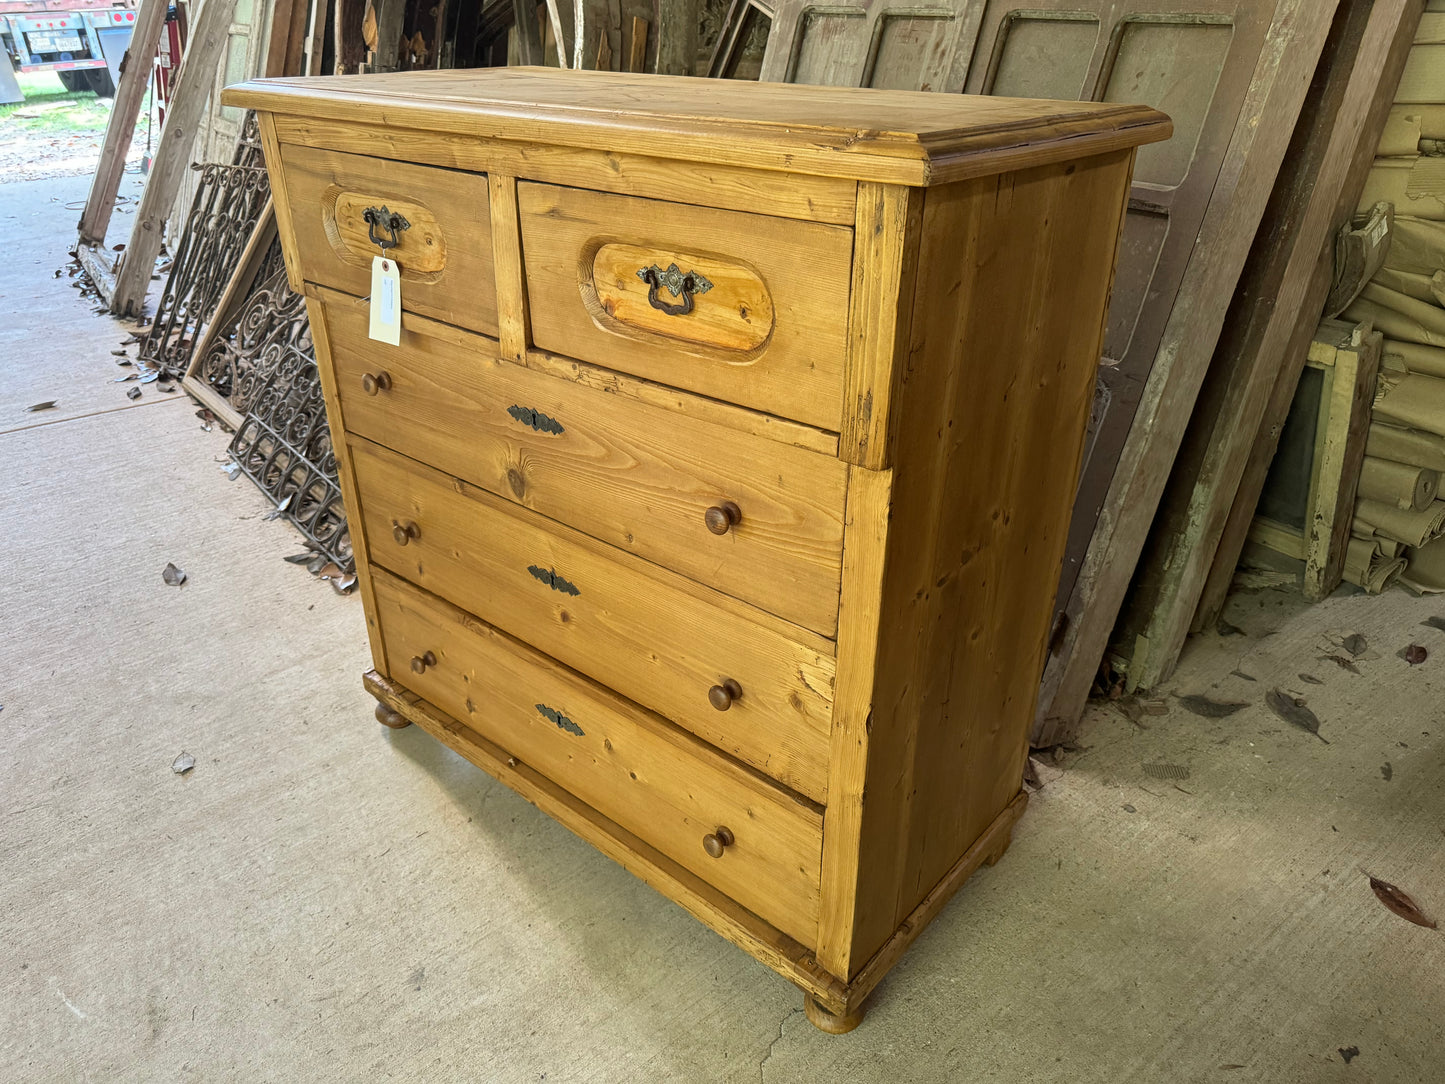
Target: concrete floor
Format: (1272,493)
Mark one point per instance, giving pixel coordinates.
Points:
(322,899)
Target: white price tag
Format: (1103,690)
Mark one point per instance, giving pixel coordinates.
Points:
(385,301)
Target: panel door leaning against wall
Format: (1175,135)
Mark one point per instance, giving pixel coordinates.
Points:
(1193,59)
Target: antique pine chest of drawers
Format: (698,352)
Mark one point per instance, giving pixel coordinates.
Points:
(715,495)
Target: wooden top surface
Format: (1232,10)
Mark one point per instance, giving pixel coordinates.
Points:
(884,135)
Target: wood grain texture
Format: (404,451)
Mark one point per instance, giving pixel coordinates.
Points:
(655,637)
(734,417)
(346,476)
(713,184)
(622,471)
(703,901)
(514,327)
(451,209)
(281,202)
(1238,197)
(1318,183)
(984,469)
(893,137)
(1389,63)
(885,250)
(795,369)
(633,767)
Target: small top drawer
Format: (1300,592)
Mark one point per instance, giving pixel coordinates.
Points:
(444,248)
(741,307)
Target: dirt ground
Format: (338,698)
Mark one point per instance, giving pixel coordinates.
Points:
(55,133)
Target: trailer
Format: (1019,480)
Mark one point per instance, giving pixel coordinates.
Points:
(82,41)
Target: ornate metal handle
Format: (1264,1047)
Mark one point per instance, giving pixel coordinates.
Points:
(678,284)
(392,222)
(535,419)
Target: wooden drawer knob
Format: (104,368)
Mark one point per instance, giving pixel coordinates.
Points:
(419,663)
(721,518)
(722,696)
(372,383)
(404,531)
(717,842)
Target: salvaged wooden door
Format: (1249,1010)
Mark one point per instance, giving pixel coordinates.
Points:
(1193,59)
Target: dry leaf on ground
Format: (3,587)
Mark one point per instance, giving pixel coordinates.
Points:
(1400,902)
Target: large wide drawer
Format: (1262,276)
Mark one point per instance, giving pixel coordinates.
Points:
(740,307)
(445,251)
(731,675)
(633,767)
(645,479)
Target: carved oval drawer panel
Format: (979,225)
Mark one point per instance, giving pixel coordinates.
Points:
(735,829)
(741,307)
(439,219)
(651,635)
(751,517)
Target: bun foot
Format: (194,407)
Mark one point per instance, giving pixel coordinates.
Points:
(830,1022)
(387,717)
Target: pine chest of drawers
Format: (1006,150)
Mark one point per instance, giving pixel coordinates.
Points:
(715,495)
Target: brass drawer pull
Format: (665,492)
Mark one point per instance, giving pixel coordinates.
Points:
(551,579)
(419,663)
(721,696)
(717,842)
(371,383)
(536,420)
(390,221)
(404,531)
(721,518)
(677,283)
(552,715)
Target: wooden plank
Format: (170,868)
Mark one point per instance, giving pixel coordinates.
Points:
(1303,215)
(695,406)
(346,475)
(677,37)
(1236,202)
(1352,392)
(707,904)
(657,781)
(950,622)
(1277,537)
(813,199)
(892,137)
(316,46)
(1220,573)
(633,475)
(285,14)
(349,43)
(865,543)
(529,32)
(120,127)
(513,314)
(205,46)
(98,269)
(885,252)
(601,612)
(637,45)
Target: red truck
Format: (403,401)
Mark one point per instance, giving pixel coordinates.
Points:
(82,41)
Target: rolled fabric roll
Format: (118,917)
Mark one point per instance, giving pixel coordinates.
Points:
(1367,566)
(1426,571)
(1406,446)
(1411,528)
(1410,488)
(1415,401)
(1418,357)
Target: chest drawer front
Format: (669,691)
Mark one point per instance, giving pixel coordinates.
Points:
(631,766)
(652,636)
(639,477)
(740,307)
(445,251)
